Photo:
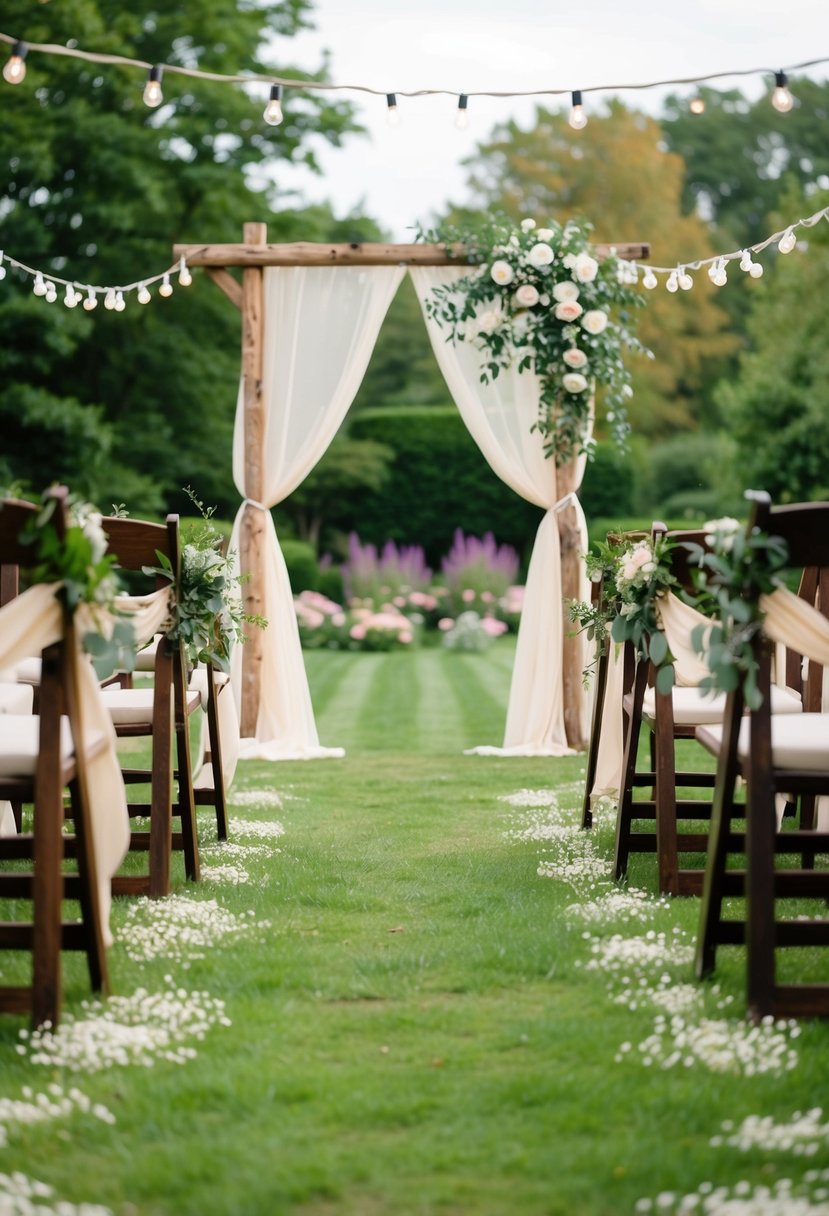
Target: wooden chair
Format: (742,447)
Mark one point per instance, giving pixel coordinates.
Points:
(775,755)
(669,717)
(40,756)
(162,713)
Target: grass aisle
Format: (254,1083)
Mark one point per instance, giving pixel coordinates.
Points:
(414,1029)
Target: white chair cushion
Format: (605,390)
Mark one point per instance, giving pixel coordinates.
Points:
(16,698)
(693,708)
(134,706)
(20,743)
(145,659)
(796,743)
(28,671)
(198,682)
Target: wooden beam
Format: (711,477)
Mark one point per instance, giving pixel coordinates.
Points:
(307,253)
(252,535)
(227,283)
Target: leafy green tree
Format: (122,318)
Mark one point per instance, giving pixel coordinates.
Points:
(618,174)
(97,188)
(403,369)
(778,405)
(741,156)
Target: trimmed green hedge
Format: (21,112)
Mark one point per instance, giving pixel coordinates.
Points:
(439,482)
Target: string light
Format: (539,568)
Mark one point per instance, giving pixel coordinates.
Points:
(578,118)
(781,98)
(650,280)
(787,241)
(14,69)
(685,280)
(46,286)
(273,110)
(91,301)
(152,89)
(20,48)
(2,267)
(697,104)
(144,296)
(462,114)
(166,288)
(185,278)
(392,112)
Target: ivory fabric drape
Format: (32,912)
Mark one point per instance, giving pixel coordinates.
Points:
(321,324)
(28,624)
(499,416)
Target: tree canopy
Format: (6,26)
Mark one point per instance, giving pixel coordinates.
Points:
(97,188)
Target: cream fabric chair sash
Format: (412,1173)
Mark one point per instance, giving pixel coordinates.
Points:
(796,623)
(30,623)
(678,620)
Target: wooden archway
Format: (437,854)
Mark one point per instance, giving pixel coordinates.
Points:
(252,256)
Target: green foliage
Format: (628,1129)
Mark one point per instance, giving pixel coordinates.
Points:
(301,562)
(98,188)
(403,369)
(439,481)
(691,475)
(347,467)
(736,569)
(607,487)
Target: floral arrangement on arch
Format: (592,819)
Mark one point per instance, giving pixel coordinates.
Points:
(539,298)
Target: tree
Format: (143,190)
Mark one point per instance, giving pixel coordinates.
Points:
(778,406)
(98,188)
(618,174)
(741,157)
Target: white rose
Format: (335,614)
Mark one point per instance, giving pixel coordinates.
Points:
(570,260)
(540,254)
(568,310)
(527,225)
(565,291)
(575,358)
(502,273)
(526,295)
(545,234)
(574,382)
(585,268)
(489,321)
(594,321)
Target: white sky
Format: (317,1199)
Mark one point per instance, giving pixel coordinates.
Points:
(403,175)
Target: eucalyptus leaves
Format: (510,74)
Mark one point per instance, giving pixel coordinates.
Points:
(541,299)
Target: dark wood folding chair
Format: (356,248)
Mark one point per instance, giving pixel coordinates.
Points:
(775,755)
(162,713)
(41,756)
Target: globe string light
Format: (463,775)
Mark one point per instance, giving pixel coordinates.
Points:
(678,277)
(781,97)
(45,284)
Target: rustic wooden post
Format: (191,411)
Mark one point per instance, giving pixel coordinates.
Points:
(252,533)
(571,664)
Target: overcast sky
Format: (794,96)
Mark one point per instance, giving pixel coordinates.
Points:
(403,175)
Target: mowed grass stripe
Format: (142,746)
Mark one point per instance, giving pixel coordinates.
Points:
(438,728)
(337,719)
(388,714)
(481,701)
(326,671)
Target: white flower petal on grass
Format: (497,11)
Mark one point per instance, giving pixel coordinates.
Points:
(629,905)
(124,1030)
(42,1107)
(22,1196)
(260,829)
(181,928)
(235,875)
(257,798)
(736,1048)
(783,1198)
(804,1135)
(530,798)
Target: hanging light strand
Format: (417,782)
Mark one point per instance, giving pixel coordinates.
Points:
(678,276)
(46,284)
(46,48)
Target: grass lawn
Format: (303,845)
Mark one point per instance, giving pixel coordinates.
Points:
(414,1027)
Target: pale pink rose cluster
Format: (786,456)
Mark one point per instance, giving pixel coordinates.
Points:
(387,621)
(312,610)
(636,563)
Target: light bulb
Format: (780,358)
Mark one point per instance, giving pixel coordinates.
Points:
(673,282)
(578,118)
(152,89)
(756,270)
(787,241)
(685,280)
(144,296)
(51,293)
(109,299)
(71,297)
(781,98)
(392,112)
(2,267)
(39,287)
(273,110)
(650,280)
(91,301)
(120,302)
(697,104)
(462,114)
(745,261)
(185,278)
(166,288)
(14,69)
